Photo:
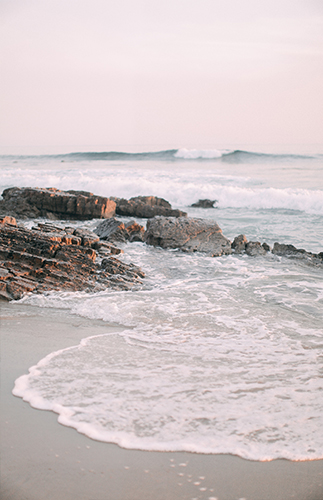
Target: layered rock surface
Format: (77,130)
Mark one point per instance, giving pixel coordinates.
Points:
(188,234)
(55,204)
(146,207)
(48,258)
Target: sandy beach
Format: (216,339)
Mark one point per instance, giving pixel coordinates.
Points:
(41,459)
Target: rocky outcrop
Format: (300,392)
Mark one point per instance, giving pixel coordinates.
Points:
(48,258)
(240,244)
(188,234)
(204,204)
(116,231)
(146,207)
(254,248)
(297,253)
(54,204)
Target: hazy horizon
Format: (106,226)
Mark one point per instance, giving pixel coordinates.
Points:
(125,76)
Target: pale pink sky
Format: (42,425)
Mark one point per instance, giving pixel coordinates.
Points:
(181,73)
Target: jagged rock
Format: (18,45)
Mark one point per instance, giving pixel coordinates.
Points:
(146,207)
(114,266)
(239,243)
(105,248)
(255,248)
(297,253)
(5,219)
(188,234)
(266,247)
(152,201)
(282,249)
(117,231)
(49,258)
(204,204)
(55,204)
(88,237)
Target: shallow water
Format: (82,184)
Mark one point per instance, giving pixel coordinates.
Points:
(218,355)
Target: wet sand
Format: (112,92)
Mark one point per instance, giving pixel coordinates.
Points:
(41,459)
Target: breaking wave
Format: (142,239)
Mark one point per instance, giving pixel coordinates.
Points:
(181,154)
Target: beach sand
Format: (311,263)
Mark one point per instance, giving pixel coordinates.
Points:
(43,460)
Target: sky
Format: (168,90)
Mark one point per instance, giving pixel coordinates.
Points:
(174,73)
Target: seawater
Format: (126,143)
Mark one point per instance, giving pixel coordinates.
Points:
(217,355)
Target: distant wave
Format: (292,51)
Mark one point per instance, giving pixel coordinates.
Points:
(182,154)
(236,155)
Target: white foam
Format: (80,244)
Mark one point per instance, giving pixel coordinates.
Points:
(117,389)
(221,357)
(198,153)
(181,186)
(218,355)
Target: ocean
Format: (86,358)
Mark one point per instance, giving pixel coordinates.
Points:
(216,355)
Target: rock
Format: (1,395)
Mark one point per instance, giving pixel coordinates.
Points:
(298,253)
(287,250)
(5,219)
(105,248)
(266,247)
(188,234)
(204,204)
(55,204)
(49,258)
(114,266)
(88,238)
(239,243)
(117,231)
(146,207)
(152,201)
(254,248)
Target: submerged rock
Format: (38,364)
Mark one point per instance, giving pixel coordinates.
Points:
(188,234)
(55,204)
(146,207)
(204,204)
(50,258)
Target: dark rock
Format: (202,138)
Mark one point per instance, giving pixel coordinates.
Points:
(239,243)
(282,249)
(204,204)
(116,231)
(146,207)
(114,266)
(55,204)
(105,248)
(188,234)
(152,201)
(266,247)
(254,248)
(297,253)
(39,260)
(88,237)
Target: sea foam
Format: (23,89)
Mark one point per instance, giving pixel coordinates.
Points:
(216,356)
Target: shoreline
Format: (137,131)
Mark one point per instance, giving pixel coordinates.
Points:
(43,459)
